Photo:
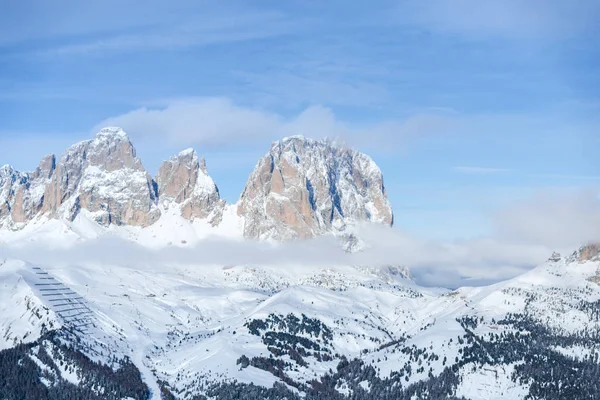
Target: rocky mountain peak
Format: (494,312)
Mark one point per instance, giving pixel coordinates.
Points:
(184,180)
(112,132)
(104,177)
(21,193)
(112,150)
(304,187)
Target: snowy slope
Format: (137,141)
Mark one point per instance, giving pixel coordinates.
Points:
(192,326)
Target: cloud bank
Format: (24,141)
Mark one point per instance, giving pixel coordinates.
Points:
(215,121)
(526,234)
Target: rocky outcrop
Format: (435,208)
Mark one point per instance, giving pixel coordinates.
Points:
(589,252)
(103,176)
(183,181)
(10,182)
(22,193)
(302,188)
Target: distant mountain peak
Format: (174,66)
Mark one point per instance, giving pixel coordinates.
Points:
(184,181)
(189,152)
(304,187)
(112,132)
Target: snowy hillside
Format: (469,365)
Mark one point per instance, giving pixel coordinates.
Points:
(195,329)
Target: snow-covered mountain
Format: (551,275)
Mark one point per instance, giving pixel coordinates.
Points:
(195,331)
(101,175)
(76,322)
(302,188)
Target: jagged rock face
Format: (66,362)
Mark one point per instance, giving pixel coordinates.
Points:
(184,180)
(22,194)
(103,176)
(10,180)
(589,252)
(302,188)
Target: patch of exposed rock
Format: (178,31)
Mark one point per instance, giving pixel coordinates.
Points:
(589,252)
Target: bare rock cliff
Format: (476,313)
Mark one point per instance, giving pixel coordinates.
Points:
(184,181)
(303,187)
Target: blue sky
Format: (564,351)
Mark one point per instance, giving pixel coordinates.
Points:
(469,108)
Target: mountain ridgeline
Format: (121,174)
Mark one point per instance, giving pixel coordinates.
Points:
(301,188)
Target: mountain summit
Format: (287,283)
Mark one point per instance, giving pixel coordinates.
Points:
(303,187)
(184,180)
(104,177)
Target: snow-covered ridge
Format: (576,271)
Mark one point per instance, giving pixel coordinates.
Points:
(194,325)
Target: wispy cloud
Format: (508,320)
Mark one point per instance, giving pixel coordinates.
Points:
(431,263)
(202,31)
(219,121)
(480,170)
(552,218)
(526,234)
(116,25)
(515,19)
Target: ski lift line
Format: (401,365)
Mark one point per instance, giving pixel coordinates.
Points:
(71,300)
(76,318)
(78,305)
(71,309)
(78,310)
(58,294)
(81,320)
(82,316)
(78,327)
(72,317)
(62,293)
(66,299)
(48,284)
(72,304)
(68,305)
(78,322)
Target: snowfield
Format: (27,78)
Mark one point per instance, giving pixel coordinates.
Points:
(188,325)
